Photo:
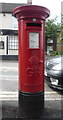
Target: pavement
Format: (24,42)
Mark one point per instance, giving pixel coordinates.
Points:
(51,110)
(9,101)
(52,107)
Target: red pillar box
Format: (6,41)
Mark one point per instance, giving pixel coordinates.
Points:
(31,29)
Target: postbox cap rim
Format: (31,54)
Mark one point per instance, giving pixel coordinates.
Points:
(34,9)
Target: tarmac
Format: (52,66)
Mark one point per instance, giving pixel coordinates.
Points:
(52,110)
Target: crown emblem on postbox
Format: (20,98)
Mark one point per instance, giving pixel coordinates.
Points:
(34,60)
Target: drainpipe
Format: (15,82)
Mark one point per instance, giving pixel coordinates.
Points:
(29,2)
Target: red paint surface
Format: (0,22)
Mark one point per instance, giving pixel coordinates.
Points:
(31,61)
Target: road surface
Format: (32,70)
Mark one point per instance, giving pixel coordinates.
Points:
(9,80)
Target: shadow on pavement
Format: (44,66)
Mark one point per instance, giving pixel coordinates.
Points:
(10,111)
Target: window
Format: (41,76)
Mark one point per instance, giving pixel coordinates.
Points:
(14,22)
(49,48)
(1,45)
(13,42)
(59,44)
(49,40)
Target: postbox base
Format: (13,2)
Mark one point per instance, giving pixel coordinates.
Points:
(31,105)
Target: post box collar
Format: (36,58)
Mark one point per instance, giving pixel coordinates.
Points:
(31,10)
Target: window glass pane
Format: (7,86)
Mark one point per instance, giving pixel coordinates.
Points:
(50,48)
(13,42)
(49,40)
(14,22)
(1,45)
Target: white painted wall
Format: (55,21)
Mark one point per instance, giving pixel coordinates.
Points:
(2,52)
(62,7)
(13,52)
(6,21)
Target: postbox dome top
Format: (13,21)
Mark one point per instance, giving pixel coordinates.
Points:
(31,11)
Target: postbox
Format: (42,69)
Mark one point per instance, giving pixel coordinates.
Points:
(31,34)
